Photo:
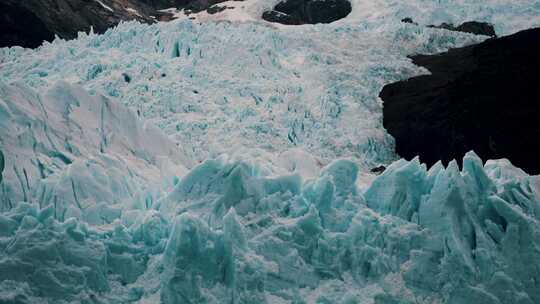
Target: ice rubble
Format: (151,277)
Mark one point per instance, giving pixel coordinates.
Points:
(468,237)
(259,193)
(507,16)
(238,236)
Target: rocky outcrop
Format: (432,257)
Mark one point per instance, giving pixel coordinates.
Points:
(30,33)
(472,27)
(29,23)
(408,20)
(216,9)
(483,97)
(295,12)
(32,22)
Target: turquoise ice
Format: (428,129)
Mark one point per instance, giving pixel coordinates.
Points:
(449,236)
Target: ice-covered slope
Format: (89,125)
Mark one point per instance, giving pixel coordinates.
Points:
(218,87)
(259,191)
(66,148)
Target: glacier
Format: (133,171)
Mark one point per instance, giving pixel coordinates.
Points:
(236,235)
(217,161)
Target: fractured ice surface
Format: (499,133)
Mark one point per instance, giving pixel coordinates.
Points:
(73,150)
(229,163)
(508,17)
(448,236)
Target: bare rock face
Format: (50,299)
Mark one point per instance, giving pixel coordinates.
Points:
(483,97)
(28,23)
(295,12)
(472,27)
(30,33)
(32,22)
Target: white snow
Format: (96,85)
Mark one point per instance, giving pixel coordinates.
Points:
(105,6)
(133,11)
(502,13)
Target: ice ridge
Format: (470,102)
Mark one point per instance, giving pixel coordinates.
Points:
(229,233)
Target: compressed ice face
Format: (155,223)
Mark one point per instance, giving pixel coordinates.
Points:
(77,152)
(507,16)
(455,237)
(467,236)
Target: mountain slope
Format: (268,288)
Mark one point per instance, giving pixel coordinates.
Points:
(470,102)
(29,23)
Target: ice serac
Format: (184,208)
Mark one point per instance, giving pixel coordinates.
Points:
(46,259)
(469,103)
(77,152)
(208,266)
(450,236)
(272,242)
(70,261)
(483,233)
(231,231)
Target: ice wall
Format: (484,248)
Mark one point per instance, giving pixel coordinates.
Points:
(74,151)
(415,236)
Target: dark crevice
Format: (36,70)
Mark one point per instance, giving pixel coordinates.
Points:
(20,26)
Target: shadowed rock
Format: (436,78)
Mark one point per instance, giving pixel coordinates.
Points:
(295,12)
(408,20)
(483,97)
(29,23)
(472,27)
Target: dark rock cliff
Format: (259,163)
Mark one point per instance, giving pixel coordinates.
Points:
(295,12)
(30,22)
(483,97)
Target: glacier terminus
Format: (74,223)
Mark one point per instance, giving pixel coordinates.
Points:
(226,159)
